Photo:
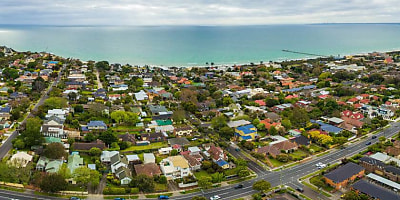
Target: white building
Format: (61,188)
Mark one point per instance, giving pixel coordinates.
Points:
(175,167)
(149,158)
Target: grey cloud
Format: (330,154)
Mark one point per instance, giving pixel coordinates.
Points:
(192,12)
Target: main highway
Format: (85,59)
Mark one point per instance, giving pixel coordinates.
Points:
(288,176)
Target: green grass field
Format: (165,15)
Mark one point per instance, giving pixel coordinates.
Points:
(156,145)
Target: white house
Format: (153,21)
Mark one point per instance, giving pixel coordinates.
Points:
(141,95)
(175,167)
(149,158)
(106,156)
(60,113)
(165,150)
(20,159)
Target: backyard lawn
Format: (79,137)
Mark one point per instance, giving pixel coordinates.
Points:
(201,173)
(155,145)
(299,154)
(276,162)
(316,148)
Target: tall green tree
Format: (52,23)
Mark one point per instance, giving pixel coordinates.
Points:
(261,185)
(143,182)
(53,183)
(31,135)
(55,150)
(108,137)
(85,176)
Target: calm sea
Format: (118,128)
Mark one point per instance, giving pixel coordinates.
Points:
(196,45)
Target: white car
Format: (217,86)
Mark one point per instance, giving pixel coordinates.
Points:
(215,197)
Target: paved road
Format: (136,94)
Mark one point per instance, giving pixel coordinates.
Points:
(290,175)
(251,164)
(7,195)
(287,176)
(7,145)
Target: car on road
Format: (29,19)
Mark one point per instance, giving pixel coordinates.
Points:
(119,199)
(320,165)
(300,189)
(239,186)
(74,198)
(374,137)
(163,197)
(368,143)
(215,197)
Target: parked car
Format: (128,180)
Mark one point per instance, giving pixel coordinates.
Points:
(239,186)
(300,189)
(215,197)
(74,198)
(374,137)
(163,197)
(368,143)
(119,199)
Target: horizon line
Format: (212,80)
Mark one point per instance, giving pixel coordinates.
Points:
(199,25)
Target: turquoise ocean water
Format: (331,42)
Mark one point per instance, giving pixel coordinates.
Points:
(196,45)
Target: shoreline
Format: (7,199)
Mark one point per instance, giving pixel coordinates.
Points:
(225,64)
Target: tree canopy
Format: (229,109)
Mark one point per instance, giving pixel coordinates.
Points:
(31,135)
(55,150)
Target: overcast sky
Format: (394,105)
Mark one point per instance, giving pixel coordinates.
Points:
(197,12)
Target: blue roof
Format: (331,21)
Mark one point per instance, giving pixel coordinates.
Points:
(97,123)
(307,87)
(327,127)
(247,128)
(6,109)
(84,128)
(222,163)
(53,62)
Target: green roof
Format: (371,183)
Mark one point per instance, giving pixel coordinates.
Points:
(53,166)
(52,139)
(164,122)
(74,162)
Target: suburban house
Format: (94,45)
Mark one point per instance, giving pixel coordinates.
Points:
(149,158)
(53,127)
(183,131)
(20,159)
(119,167)
(49,166)
(106,156)
(175,167)
(149,169)
(194,164)
(87,146)
(341,176)
(60,113)
(133,159)
(246,132)
(153,137)
(74,161)
(95,126)
(277,148)
(5,112)
(141,95)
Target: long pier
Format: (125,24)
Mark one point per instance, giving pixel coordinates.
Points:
(304,53)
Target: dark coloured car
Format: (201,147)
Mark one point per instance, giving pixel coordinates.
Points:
(119,199)
(374,137)
(368,143)
(74,198)
(300,189)
(239,186)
